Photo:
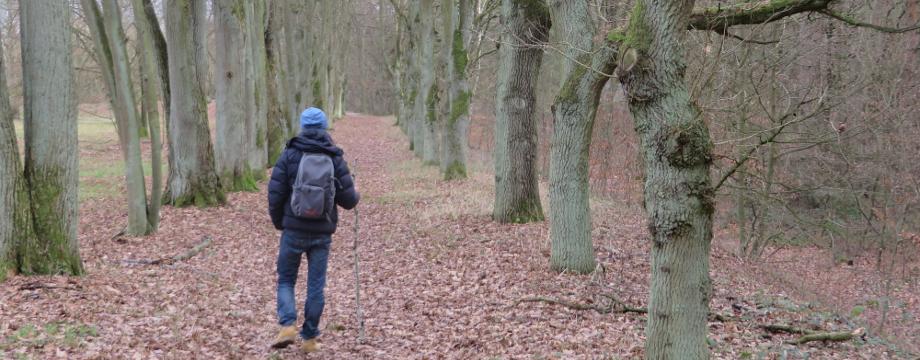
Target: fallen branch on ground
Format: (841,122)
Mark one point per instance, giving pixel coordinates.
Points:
(811,335)
(615,306)
(181,257)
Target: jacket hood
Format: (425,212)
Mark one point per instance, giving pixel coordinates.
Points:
(315,141)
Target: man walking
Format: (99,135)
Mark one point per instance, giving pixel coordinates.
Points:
(310,178)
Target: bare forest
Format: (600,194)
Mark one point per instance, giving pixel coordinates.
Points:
(539,179)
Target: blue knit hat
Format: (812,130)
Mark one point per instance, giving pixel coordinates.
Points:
(313,118)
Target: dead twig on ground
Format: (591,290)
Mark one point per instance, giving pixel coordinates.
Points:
(206,241)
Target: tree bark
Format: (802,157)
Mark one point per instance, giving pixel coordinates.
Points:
(430,91)
(112,57)
(15,210)
(574,109)
(236,120)
(679,198)
(517,191)
(192,176)
(454,141)
(50,118)
(258,117)
(278,113)
(149,80)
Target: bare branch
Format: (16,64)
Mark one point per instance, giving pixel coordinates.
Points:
(853,22)
(751,13)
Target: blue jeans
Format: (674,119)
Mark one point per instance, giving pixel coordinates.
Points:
(292,248)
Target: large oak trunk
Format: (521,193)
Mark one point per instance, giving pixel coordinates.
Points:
(50,119)
(192,176)
(235,103)
(517,191)
(677,154)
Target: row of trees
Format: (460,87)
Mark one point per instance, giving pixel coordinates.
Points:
(648,55)
(271,59)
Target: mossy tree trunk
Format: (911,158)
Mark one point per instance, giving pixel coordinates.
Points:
(517,192)
(586,72)
(298,44)
(679,197)
(50,118)
(454,140)
(149,85)
(430,91)
(15,210)
(192,176)
(278,113)
(236,104)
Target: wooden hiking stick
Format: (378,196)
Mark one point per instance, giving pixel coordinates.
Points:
(354,247)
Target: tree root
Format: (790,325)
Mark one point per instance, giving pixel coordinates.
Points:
(205,242)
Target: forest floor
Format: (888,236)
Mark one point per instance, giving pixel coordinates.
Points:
(438,280)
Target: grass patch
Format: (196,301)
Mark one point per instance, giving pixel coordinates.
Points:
(62,334)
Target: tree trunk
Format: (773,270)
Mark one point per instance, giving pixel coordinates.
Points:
(192,177)
(126,116)
(50,118)
(258,117)
(679,199)
(517,190)
(278,113)
(454,141)
(149,80)
(235,101)
(430,152)
(297,46)
(15,210)
(416,140)
(574,110)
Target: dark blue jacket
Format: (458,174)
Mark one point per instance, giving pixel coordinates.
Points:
(314,141)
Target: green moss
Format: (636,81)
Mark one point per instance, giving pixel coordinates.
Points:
(198,196)
(527,212)
(260,137)
(245,180)
(52,252)
(317,94)
(533,9)
(455,171)
(431,104)
(459,53)
(569,91)
(459,107)
(638,34)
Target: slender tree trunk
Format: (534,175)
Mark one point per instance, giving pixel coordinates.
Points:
(235,101)
(115,55)
(430,152)
(278,112)
(50,118)
(419,102)
(15,210)
(454,141)
(517,191)
(574,110)
(192,176)
(159,52)
(149,80)
(679,199)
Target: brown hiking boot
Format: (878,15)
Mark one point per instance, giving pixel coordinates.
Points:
(285,337)
(310,346)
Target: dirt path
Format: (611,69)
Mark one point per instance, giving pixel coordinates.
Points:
(439,280)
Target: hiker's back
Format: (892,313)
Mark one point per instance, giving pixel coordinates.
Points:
(307,205)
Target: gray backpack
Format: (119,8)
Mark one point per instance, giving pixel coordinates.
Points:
(313,195)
